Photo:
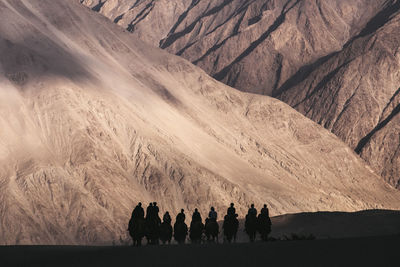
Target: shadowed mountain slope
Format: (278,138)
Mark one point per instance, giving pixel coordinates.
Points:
(93,120)
(254,45)
(355,93)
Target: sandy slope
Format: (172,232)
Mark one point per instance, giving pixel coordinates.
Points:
(93,120)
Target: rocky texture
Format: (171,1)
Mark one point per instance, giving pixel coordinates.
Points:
(93,120)
(268,47)
(355,93)
(253,46)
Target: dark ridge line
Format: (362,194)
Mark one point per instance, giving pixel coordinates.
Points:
(329,121)
(327,78)
(320,86)
(390,101)
(99,6)
(233,79)
(346,106)
(305,71)
(279,20)
(165,43)
(322,13)
(217,46)
(215,9)
(243,8)
(180,52)
(117,19)
(179,21)
(142,15)
(380,19)
(258,17)
(254,20)
(278,72)
(135,4)
(216,62)
(302,74)
(365,140)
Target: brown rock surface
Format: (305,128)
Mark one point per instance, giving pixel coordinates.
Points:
(355,93)
(255,45)
(93,120)
(268,47)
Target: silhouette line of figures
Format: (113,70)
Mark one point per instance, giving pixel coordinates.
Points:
(155,230)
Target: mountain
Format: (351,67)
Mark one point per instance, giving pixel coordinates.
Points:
(254,46)
(334,61)
(94,120)
(355,93)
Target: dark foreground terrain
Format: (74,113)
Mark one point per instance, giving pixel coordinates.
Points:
(366,251)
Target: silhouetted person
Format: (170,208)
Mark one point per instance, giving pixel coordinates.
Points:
(196,217)
(265,210)
(138,212)
(231,210)
(252,211)
(156,210)
(167,218)
(181,216)
(213,214)
(166,229)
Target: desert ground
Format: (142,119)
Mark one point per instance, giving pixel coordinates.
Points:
(366,251)
(94,120)
(367,238)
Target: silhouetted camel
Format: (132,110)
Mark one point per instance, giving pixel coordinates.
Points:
(180,231)
(212,230)
(251,226)
(165,232)
(152,231)
(196,231)
(137,230)
(230,226)
(264,226)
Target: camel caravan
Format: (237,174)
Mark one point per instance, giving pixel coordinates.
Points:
(154,230)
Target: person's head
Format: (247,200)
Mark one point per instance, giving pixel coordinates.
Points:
(154,203)
(167,212)
(252,205)
(182,210)
(232,204)
(265,205)
(151,204)
(140,204)
(212,208)
(195,210)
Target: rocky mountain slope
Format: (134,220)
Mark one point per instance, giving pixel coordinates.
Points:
(355,93)
(281,48)
(254,45)
(93,120)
